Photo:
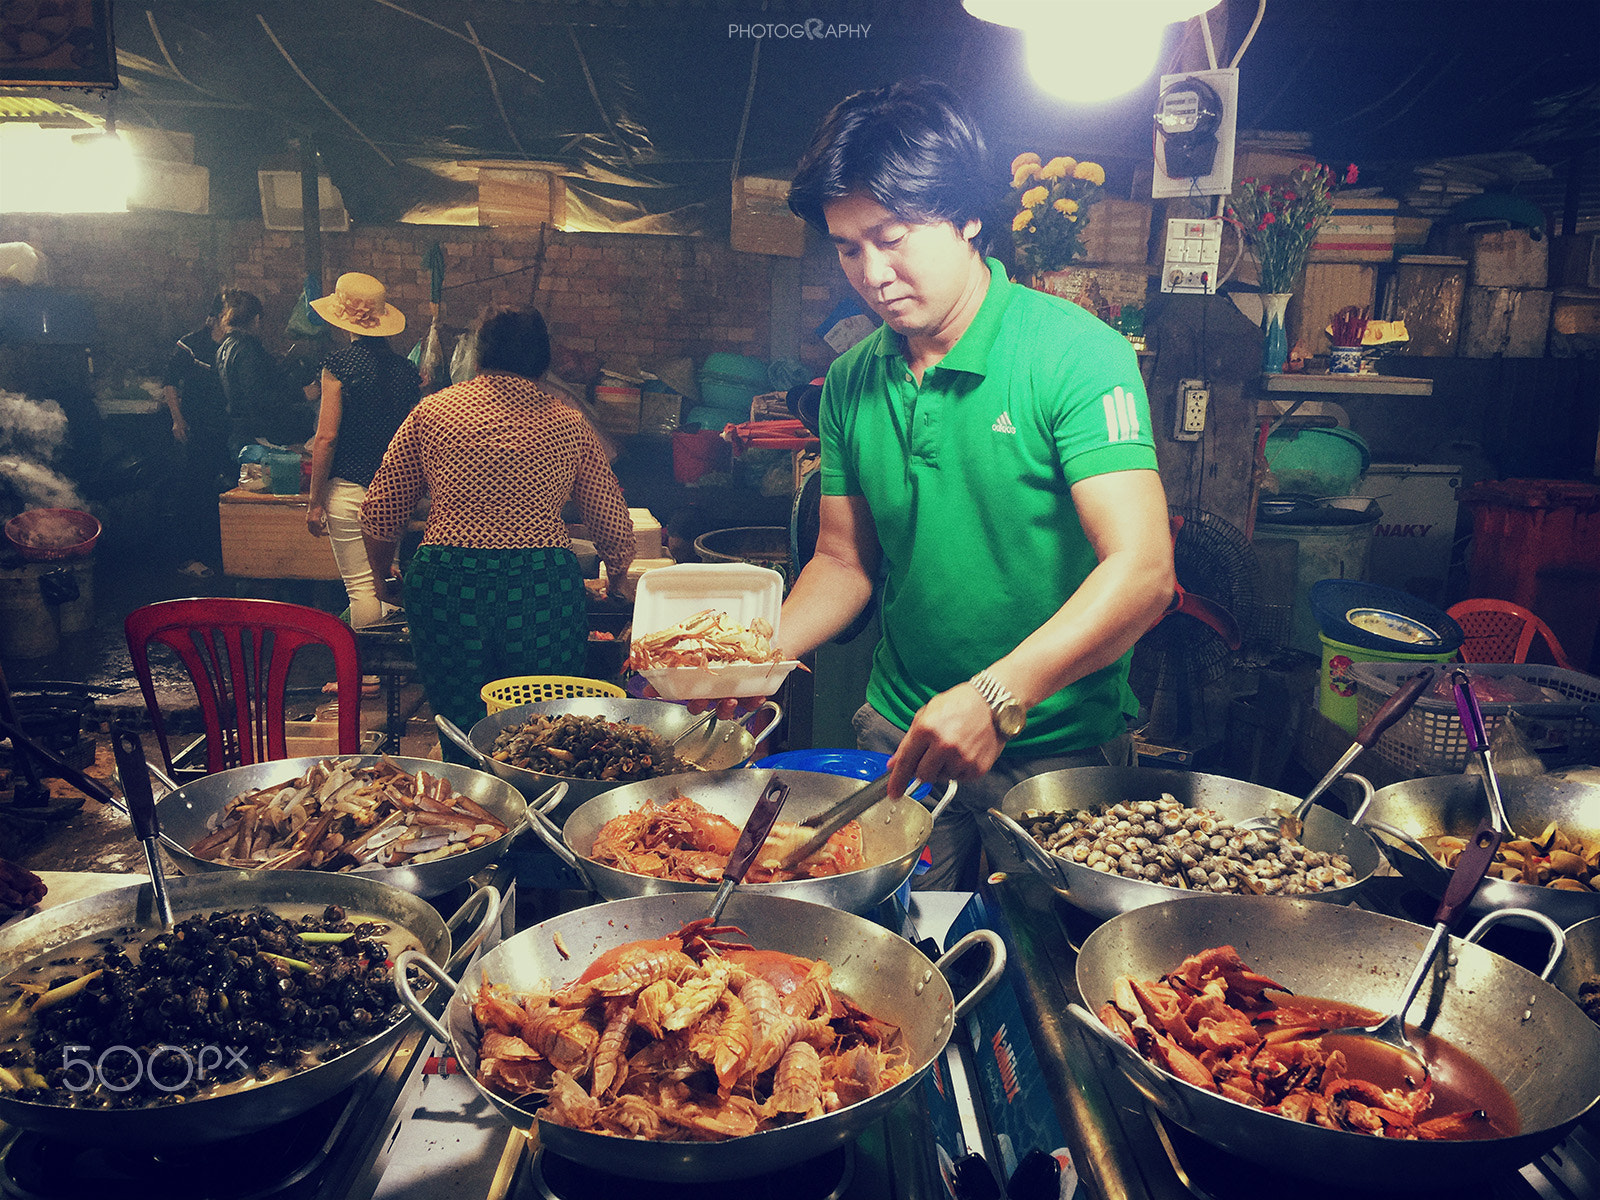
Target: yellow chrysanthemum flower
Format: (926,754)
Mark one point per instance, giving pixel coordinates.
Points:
(1020,221)
(1093,172)
(1058,168)
(1018,162)
(1065,205)
(1024,173)
(1034,197)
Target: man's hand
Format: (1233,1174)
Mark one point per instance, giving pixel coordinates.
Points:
(953,737)
(180,428)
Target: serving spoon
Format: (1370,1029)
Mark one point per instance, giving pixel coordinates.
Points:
(1470,868)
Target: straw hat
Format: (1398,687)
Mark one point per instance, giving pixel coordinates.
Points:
(361,305)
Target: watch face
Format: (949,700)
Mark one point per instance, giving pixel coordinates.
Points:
(1011,719)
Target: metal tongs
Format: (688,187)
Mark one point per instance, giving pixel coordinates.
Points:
(830,820)
(1478,741)
(133,771)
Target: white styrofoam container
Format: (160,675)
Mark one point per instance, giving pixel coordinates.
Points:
(744,592)
(1413,540)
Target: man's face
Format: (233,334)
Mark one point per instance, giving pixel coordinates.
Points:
(914,276)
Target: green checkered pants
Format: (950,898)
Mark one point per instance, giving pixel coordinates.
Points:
(481,615)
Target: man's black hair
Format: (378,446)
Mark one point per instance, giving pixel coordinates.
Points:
(912,146)
(514,340)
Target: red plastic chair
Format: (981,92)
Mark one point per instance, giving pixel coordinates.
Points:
(238,654)
(1499,631)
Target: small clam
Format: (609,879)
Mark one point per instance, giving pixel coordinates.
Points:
(1564,862)
(1565,884)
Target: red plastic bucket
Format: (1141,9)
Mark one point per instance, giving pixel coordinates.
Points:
(696,452)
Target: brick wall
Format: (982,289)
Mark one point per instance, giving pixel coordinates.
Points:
(619,296)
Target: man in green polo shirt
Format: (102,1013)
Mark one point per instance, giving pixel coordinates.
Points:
(989,447)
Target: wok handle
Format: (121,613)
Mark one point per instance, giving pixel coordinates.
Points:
(1405,839)
(1368,795)
(416,958)
(991,973)
(491,901)
(944,801)
(1154,1084)
(453,731)
(548,832)
(1035,855)
(1558,936)
(767,730)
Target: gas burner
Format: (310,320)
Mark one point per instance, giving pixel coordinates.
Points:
(826,1177)
(281,1162)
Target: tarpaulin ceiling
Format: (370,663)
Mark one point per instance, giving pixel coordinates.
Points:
(647,106)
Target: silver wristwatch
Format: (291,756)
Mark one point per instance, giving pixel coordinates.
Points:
(1009,715)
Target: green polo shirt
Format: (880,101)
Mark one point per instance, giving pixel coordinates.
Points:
(969,479)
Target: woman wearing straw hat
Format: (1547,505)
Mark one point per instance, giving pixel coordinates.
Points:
(495,589)
(367,390)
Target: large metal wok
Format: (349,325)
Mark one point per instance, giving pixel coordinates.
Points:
(1106,895)
(893,833)
(1418,809)
(715,747)
(1528,1035)
(259,1105)
(1581,963)
(882,973)
(184,815)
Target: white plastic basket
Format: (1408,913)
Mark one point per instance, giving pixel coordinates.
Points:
(1429,740)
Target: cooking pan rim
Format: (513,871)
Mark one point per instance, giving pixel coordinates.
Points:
(1455,947)
(122,906)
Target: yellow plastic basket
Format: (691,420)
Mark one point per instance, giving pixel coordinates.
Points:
(530,689)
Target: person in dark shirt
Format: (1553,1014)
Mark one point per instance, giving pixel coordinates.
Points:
(194,397)
(263,401)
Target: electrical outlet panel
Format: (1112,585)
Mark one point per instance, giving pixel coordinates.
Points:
(1190,422)
(1194,249)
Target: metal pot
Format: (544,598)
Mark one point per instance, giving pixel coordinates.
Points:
(1581,962)
(720,745)
(184,815)
(893,833)
(1415,809)
(1106,895)
(1533,1039)
(882,973)
(255,1107)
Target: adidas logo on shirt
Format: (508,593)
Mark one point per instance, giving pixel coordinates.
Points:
(1122,416)
(1003,424)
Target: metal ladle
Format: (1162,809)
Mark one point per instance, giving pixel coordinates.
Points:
(1470,868)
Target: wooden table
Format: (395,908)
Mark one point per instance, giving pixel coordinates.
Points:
(265,537)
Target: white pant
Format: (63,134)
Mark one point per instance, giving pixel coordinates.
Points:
(350,552)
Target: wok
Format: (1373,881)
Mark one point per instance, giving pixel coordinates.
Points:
(1107,895)
(1581,962)
(893,833)
(1524,1031)
(184,815)
(720,745)
(884,974)
(1415,809)
(230,1114)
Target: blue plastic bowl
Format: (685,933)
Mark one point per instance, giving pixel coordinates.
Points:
(861,764)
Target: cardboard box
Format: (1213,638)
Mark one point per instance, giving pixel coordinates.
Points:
(1505,323)
(1575,261)
(617,408)
(1510,258)
(521,196)
(1326,289)
(1118,232)
(762,222)
(1430,290)
(265,537)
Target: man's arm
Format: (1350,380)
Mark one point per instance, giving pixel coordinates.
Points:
(180,427)
(837,583)
(1124,515)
